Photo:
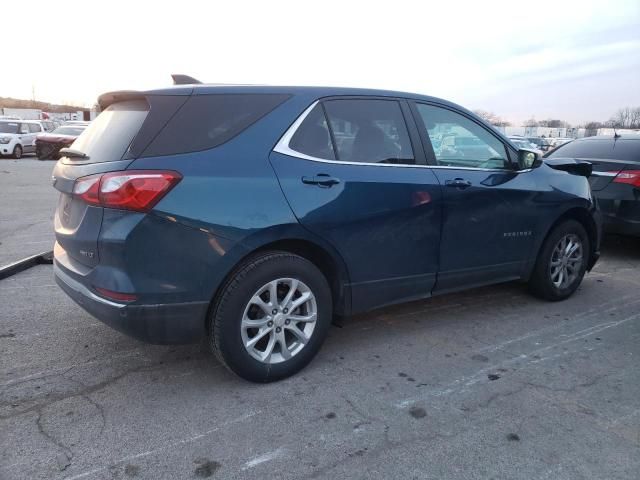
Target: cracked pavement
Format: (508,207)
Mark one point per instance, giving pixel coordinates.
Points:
(489,383)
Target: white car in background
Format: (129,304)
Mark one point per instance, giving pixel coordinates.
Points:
(18,137)
(523,142)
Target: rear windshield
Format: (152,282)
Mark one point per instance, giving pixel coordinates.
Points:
(8,127)
(606,149)
(109,135)
(206,121)
(68,130)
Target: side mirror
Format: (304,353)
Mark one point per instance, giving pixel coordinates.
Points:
(528,159)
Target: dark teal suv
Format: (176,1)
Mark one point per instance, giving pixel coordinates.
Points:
(252,215)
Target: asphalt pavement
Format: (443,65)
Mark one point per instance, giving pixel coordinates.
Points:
(486,384)
(27,204)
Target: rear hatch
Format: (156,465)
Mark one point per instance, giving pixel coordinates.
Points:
(135,125)
(608,156)
(77,224)
(105,146)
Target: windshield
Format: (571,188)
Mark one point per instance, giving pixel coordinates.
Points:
(68,130)
(8,127)
(109,135)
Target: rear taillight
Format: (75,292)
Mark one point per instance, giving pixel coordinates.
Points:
(137,190)
(630,177)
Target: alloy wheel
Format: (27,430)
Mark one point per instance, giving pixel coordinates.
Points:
(279,320)
(566,261)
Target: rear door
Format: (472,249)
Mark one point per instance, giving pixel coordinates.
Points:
(25,137)
(489,215)
(353,172)
(34,130)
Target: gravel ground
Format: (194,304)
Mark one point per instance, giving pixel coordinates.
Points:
(489,383)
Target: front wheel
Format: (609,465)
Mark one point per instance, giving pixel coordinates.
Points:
(17,152)
(271,317)
(562,262)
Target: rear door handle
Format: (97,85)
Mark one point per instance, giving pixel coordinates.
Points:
(458,183)
(321,179)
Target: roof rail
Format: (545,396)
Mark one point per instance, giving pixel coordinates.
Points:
(179,79)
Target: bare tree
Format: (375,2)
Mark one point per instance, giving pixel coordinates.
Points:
(532,122)
(492,118)
(635,117)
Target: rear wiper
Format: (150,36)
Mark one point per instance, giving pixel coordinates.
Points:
(70,152)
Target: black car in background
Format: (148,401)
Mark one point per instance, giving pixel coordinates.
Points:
(615,180)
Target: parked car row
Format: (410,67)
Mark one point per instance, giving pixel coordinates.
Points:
(42,137)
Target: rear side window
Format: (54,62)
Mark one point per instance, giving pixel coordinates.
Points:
(369,131)
(206,121)
(108,136)
(606,149)
(312,136)
(34,128)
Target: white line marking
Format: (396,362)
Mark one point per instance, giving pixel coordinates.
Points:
(464,382)
(266,457)
(164,447)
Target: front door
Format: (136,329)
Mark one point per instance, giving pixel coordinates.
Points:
(488,206)
(354,180)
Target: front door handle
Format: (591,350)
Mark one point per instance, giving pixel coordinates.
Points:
(458,183)
(321,179)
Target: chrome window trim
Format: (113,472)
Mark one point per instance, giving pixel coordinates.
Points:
(283,147)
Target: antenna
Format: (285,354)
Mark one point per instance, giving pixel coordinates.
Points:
(179,79)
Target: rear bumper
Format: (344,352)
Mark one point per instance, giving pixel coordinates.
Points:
(621,226)
(173,323)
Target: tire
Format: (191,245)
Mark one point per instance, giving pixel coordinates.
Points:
(556,275)
(17,152)
(245,299)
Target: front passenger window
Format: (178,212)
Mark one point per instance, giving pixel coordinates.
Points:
(460,142)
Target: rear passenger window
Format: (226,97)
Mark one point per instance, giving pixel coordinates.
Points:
(369,131)
(206,121)
(312,136)
(35,128)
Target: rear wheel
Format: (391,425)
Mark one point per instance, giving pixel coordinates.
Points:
(562,262)
(17,152)
(271,317)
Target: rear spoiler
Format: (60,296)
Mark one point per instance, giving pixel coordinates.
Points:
(571,165)
(107,99)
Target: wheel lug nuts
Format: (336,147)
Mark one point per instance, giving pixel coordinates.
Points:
(274,311)
(286,310)
(270,324)
(287,321)
(278,329)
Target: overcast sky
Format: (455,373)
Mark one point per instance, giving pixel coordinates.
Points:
(574,60)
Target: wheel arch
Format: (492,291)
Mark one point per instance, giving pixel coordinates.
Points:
(327,260)
(585,218)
